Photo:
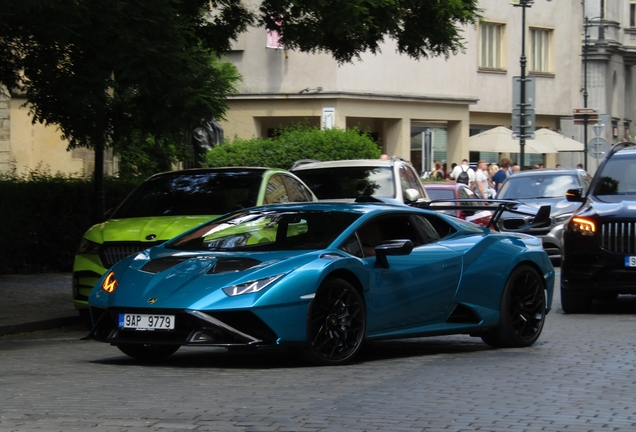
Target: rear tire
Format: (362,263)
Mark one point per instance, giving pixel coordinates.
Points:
(148,352)
(574,303)
(522,311)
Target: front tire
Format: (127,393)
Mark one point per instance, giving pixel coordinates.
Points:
(336,323)
(148,352)
(522,311)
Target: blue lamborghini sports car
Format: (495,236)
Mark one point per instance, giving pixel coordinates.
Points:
(324,277)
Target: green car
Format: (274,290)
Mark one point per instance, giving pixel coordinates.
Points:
(169,204)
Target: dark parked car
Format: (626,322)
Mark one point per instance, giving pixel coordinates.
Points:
(541,187)
(599,242)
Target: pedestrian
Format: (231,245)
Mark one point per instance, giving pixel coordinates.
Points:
(579,166)
(464,174)
(482,187)
(558,166)
(448,173)
(503,173)
(492,170)
(438,173)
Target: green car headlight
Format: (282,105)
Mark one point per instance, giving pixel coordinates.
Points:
(89,247)
(251,286)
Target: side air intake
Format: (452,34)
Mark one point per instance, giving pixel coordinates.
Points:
(464,315)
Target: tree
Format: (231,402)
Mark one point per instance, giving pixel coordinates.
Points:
(105,70)
(292,144)
(346,29)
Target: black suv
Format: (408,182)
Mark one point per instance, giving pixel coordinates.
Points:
(599,241)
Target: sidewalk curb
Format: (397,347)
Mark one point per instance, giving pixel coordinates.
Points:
(44,324)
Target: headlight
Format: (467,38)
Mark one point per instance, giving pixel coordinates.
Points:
(87,246)
(561,218)
(583,226)
(109,284)
(250,287)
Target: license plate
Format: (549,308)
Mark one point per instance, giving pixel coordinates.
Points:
(630,261)
(146,321)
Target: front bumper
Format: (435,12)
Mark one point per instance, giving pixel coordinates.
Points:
(192,328)
(597,273)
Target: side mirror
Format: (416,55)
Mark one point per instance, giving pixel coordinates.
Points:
(541,220)
(391,247)
(574,195)
(411,195)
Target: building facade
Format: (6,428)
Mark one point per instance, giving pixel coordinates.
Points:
(608,55)
(402,101)
(397,98)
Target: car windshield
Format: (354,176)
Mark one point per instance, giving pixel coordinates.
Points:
(267,231)
(211,193)
(538,186)
(618,177)
(349,182)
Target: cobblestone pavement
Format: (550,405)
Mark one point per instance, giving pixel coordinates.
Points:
(578,377)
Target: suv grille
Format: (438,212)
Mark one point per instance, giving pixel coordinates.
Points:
(619,237)
(112,253)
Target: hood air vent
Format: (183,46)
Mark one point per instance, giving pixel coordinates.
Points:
(161,264)
(233,265)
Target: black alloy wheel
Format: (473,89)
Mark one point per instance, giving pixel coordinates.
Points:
(148,352)
(522,311)
(336,323)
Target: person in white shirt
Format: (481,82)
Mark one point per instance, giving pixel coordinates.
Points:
(483,188)
(466,168)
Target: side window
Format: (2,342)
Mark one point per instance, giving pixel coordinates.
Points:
(276,192)
(465,192)
(295,190)
(432,227)
(352,245)
(408,180)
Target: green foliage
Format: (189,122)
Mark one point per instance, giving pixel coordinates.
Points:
(100,70)
(42,233)
(292,144)
(346,29)
(141,157)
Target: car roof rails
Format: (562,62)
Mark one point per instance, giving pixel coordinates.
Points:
(621,146)
(302,162)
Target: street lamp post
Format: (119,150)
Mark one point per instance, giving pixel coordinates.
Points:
(523,4)
(600,40)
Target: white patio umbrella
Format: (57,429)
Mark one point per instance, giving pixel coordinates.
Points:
(556,140)
(500,140)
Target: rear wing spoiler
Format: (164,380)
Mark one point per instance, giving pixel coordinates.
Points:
(540,219)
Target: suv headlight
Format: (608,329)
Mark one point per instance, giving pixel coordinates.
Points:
(583,226)
(89,247)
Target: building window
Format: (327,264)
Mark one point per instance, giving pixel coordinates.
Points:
(632,13)
(540,50)
(491,46)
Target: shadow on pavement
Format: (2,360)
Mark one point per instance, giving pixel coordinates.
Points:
(282,358)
